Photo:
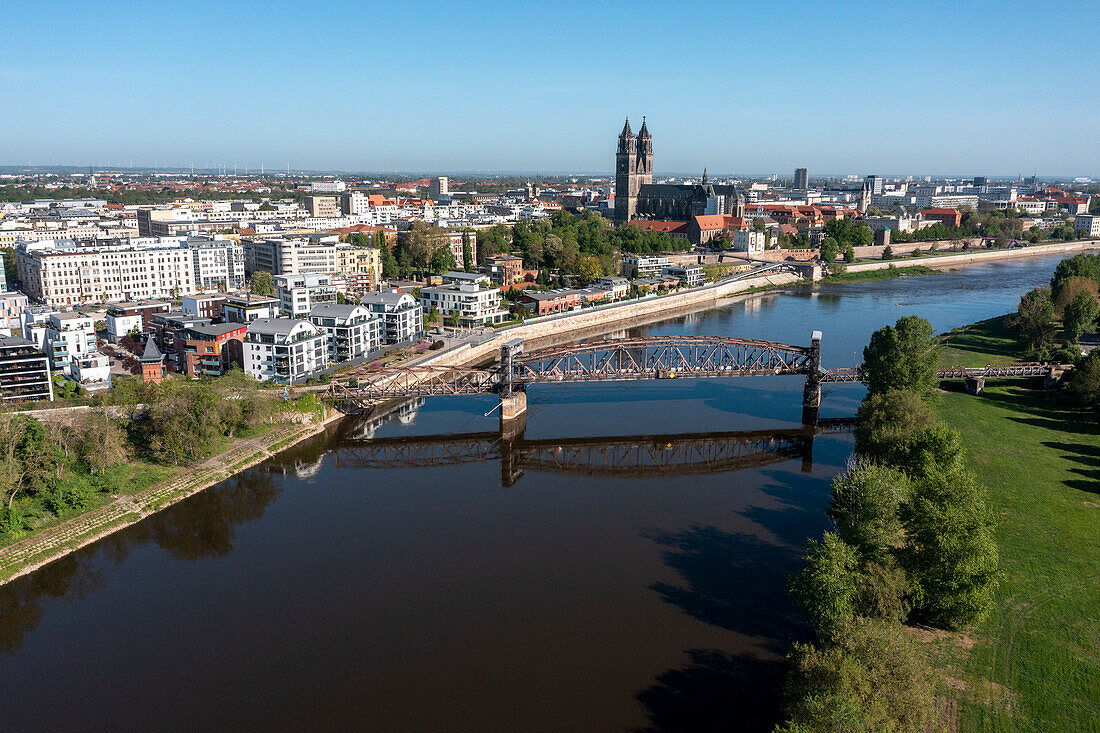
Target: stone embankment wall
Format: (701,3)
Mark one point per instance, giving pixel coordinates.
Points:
(970,257)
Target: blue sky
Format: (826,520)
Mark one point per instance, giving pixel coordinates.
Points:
(744,87)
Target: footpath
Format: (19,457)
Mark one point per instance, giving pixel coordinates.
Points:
(45,546)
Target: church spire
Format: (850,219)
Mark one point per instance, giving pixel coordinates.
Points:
(704,175)
(643,133)
(626,140)
(626,129)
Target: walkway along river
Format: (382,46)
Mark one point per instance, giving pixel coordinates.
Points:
(634,577)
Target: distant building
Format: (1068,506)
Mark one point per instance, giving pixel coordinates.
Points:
(949,217)
(643,266)
(323,207)
(92,371)
(542,303)
(1087,225)
(353,330)
(12,306)
(749,241)
(334,186)
(402,316)
(24,371)
(292,256)
(438,188)
(504,269)
(204,306)
(618,287)
(284,350)
(69,336)
(801,178)
(874,184)
(689,275)
(126,318)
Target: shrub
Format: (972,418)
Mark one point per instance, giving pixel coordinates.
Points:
(888,252)
(824,589)
(902,356)
(865,504)
(875,679)
(437,345)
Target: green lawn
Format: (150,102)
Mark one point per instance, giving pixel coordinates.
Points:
(1034,665)
(886,273)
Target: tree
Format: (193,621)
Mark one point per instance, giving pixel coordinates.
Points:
(824,589)
(886,421)
(442,260)
(432,316)
(1080,316)
(1084,382)
(849,253)
(1082,265)
(453,319)
(589,268)
(950,550)
(887,252)
(865,504)
(380,240)
(829,249)
(262,283)
(1069,289)
(1035,321)
(467,253)
(903,356)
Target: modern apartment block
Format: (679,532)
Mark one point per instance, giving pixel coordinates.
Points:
(211,350)
(642,266)
(12,306)
(1086,225)
(295,256)
(248,308)
(65,273)
(801,178)
(284,350)
(126,318)
(24,371)
(69,336)
(298,294)
(475,304)
(204,306)
(353,330)
(402,316)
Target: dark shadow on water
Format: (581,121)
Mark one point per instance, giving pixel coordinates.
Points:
(715,691)
(199,527)
(733,581)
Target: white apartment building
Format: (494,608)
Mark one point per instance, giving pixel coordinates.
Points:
(91,370)
(284,350)
(327,256)
(334,186)
(34,321)
(689,275)
(1087,225)
(402,316)
(353,330)
(646,266)
(64,273)
(12,306)
(748,240)
(298,294)
(474,303)
(619,287)
(68,337)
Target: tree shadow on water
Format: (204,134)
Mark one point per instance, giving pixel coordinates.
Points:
(715,691)
(733,581)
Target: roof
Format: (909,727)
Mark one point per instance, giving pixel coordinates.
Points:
(936,210)
(216,329)
(274,325)
(152,353)
(658,226)
(334,310)
(385,298)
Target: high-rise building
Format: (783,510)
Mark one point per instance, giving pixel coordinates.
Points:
(874,183)
(801,178)
(437,189)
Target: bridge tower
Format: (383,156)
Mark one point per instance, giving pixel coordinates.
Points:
(513,398)
(811,394)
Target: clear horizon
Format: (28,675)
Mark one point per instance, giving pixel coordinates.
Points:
(939,89)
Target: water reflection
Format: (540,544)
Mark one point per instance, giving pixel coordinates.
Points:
(199,527)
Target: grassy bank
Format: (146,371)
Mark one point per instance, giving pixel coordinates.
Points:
(888,273)
(1034,665)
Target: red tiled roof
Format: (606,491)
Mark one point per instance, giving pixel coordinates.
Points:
(658,226)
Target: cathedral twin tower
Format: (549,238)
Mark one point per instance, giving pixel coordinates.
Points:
(633,167)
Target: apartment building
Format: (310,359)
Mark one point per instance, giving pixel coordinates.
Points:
(323,206)
(298,294)
(327,256)
(24,371)
(168,330)
(616,288)
(1086,225)
(642,266)
(248,308)
(748,240)
(64,273)
(688,275)
(402,317)
(284,350)
(212,349)
(353,330)
(12,306)
(475,304)
(69,336)
(504,269)
(204,306)
(124,318)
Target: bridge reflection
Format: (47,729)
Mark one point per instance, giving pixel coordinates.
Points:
(629,456)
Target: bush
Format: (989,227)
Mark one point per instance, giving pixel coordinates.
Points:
(824,589)
(875,679)
(865,504)
(437,345)
(888,252)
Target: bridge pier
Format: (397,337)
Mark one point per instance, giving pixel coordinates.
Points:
(811,393)
(513,414)
(974,385)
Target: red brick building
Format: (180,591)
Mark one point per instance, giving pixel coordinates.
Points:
(950,217)
(211,350)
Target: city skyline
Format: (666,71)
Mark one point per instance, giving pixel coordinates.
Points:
(849,88)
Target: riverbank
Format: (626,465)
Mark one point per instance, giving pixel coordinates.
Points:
(948,261)
(61,538)
(1034,664)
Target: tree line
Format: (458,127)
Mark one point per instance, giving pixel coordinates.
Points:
(67,464)
(912,543)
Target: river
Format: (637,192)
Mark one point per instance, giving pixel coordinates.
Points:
(593,579)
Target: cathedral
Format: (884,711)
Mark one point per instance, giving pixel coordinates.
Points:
(638,197)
